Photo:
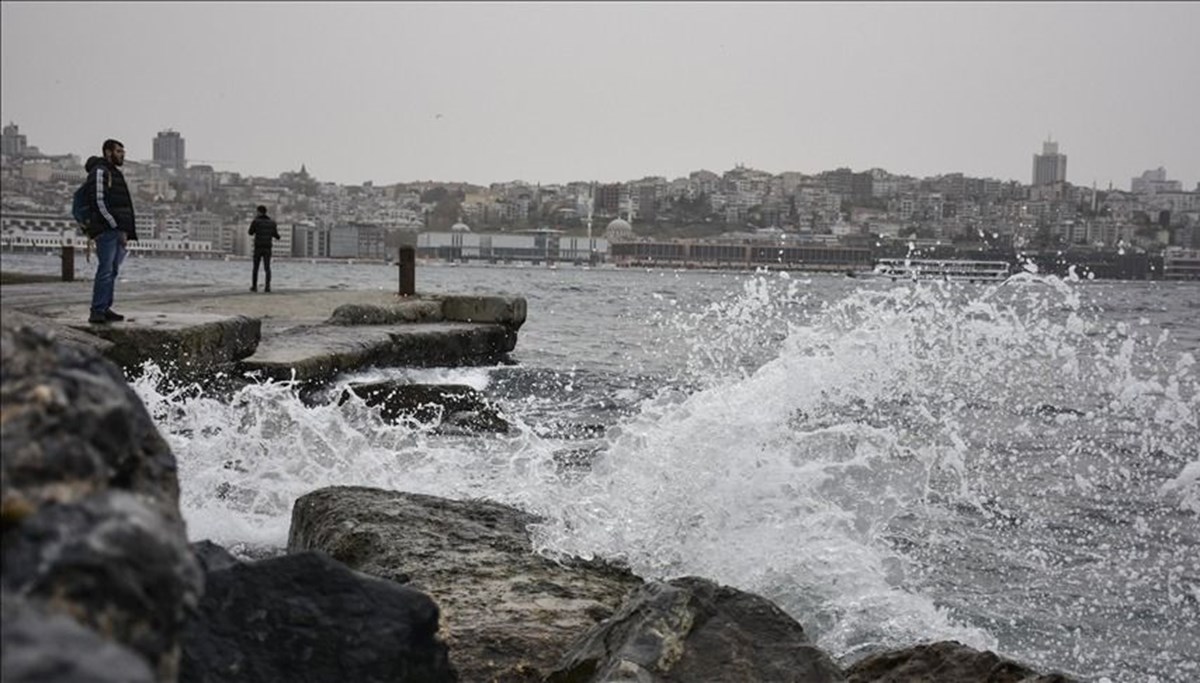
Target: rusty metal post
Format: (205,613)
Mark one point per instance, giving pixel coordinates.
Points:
(407,262)
(68,263)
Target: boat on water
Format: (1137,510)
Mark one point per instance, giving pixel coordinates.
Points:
(954,270)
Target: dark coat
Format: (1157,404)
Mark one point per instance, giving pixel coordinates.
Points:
(264,230)
(112,205)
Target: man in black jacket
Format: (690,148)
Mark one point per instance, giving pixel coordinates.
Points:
(112,225)
(264,230)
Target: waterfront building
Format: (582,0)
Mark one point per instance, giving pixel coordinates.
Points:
(309,240)
(533,246)
(740,255)
(1181,264)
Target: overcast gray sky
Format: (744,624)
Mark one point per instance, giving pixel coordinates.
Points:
(487,92)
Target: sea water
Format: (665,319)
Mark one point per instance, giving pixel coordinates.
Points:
(1015,466)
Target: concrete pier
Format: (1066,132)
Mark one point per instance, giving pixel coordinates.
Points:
(309,335)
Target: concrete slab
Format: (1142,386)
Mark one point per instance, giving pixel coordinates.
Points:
(310,335)
(318,353)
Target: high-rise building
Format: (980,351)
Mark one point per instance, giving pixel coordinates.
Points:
(608,199)
(12,142)
(1049,167)
(168,150)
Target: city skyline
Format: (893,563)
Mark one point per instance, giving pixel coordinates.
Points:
(174,140)
(495,92)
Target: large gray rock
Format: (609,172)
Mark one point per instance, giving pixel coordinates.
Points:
(89,494)
(945,662)
(507,614)
(42,647)
(116,564)
(452,406)
(73,426)
(691,630)
(64,333)
(306,617)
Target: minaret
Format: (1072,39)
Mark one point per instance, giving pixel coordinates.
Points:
(591,210)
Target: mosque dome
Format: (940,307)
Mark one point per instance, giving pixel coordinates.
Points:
(460,227)
(618,229)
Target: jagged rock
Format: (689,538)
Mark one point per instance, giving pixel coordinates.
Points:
(114,563)
(403,312)
(945,662)
(212,557)
(63,333)
(306,617)
(453,405)
(507,614)
(691,629)
(72,426)
(91,524)
(41,647)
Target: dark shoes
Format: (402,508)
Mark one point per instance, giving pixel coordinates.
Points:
(253,288)
(109,316)
(267,289)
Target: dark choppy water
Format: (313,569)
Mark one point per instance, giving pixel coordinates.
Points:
(1016,467)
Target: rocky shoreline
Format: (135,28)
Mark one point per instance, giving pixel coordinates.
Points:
(100,582)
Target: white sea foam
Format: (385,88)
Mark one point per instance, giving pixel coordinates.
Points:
(826,452)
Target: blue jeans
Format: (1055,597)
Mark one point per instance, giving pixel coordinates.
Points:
(109,255)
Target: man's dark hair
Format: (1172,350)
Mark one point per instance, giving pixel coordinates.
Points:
(110,144)
(262,209)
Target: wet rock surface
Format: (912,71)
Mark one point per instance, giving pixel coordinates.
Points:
(41,646)
(72,426)
(306,617)
(91,524)
(691,629)
(454,407)
(945,662)
(507,614)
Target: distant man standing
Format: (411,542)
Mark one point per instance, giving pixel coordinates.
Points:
(264,230)
(112,224)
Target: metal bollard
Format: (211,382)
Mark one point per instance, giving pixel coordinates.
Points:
(407,263)
(68,263)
